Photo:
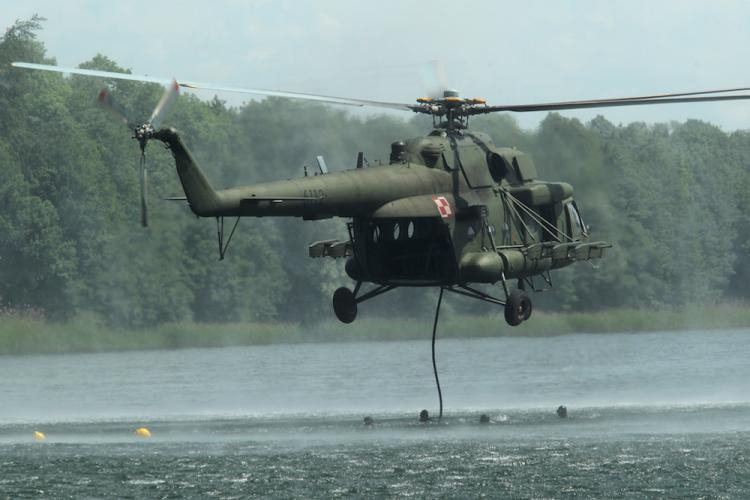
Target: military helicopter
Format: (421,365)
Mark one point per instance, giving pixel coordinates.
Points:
(450,209)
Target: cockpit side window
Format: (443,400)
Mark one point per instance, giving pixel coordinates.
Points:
(497,166)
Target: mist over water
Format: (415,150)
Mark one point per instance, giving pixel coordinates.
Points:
(647,413)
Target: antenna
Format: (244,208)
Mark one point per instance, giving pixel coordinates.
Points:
(322,164)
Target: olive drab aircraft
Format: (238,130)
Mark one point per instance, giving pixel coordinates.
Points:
(449,210)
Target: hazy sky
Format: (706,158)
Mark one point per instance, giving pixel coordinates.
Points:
(506,52)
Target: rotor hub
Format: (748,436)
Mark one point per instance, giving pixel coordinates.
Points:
(143,133)
(451,101)
(451,110)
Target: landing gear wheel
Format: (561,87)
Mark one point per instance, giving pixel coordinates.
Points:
(517,308)
(526,306)
(344,305)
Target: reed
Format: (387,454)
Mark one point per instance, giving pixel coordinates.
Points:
(21,334)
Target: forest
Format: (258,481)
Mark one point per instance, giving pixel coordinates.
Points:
(672,198)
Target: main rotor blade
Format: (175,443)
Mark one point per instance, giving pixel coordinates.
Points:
(210,86)
(683,97)
(165,104)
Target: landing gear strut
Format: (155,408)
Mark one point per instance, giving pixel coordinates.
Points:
(345,301)
(517,303)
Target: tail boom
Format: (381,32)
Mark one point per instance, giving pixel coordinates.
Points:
(350,193)
(203,199)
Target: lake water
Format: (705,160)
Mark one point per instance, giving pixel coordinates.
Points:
(656,414)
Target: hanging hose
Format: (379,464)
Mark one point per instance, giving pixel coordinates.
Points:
(434,364)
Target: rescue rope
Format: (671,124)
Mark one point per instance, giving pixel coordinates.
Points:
(434,364)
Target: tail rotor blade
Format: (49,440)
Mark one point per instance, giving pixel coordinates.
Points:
(165,104)
(106,100)
(144,192)
(144,133)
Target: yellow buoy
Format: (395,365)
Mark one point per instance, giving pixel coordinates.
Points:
(39,436)
(143,432)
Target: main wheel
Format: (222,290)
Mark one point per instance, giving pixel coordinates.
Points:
(526,306)
(344,305)
(517,308)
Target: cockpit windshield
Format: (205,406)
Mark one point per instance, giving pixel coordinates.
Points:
(576,227)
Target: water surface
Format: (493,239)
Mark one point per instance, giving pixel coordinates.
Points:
(658,414)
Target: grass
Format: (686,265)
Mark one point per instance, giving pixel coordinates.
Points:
(25,335)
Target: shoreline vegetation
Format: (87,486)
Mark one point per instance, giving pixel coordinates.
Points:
(28,335)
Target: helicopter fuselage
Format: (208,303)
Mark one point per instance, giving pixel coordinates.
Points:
(449,208)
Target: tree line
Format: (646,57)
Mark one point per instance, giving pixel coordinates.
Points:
(671,198)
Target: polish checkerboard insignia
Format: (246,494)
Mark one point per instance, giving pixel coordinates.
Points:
(443,206)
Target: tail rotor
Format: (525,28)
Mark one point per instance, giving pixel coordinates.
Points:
(143,174)
(168,98)
(106,101)
(143,133)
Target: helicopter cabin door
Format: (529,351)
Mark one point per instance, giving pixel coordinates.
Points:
(405,251)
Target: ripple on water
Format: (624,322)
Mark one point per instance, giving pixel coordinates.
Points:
(603,451)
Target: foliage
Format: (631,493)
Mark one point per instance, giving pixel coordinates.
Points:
(670,197)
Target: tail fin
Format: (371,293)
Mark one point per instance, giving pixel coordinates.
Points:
(203,199)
